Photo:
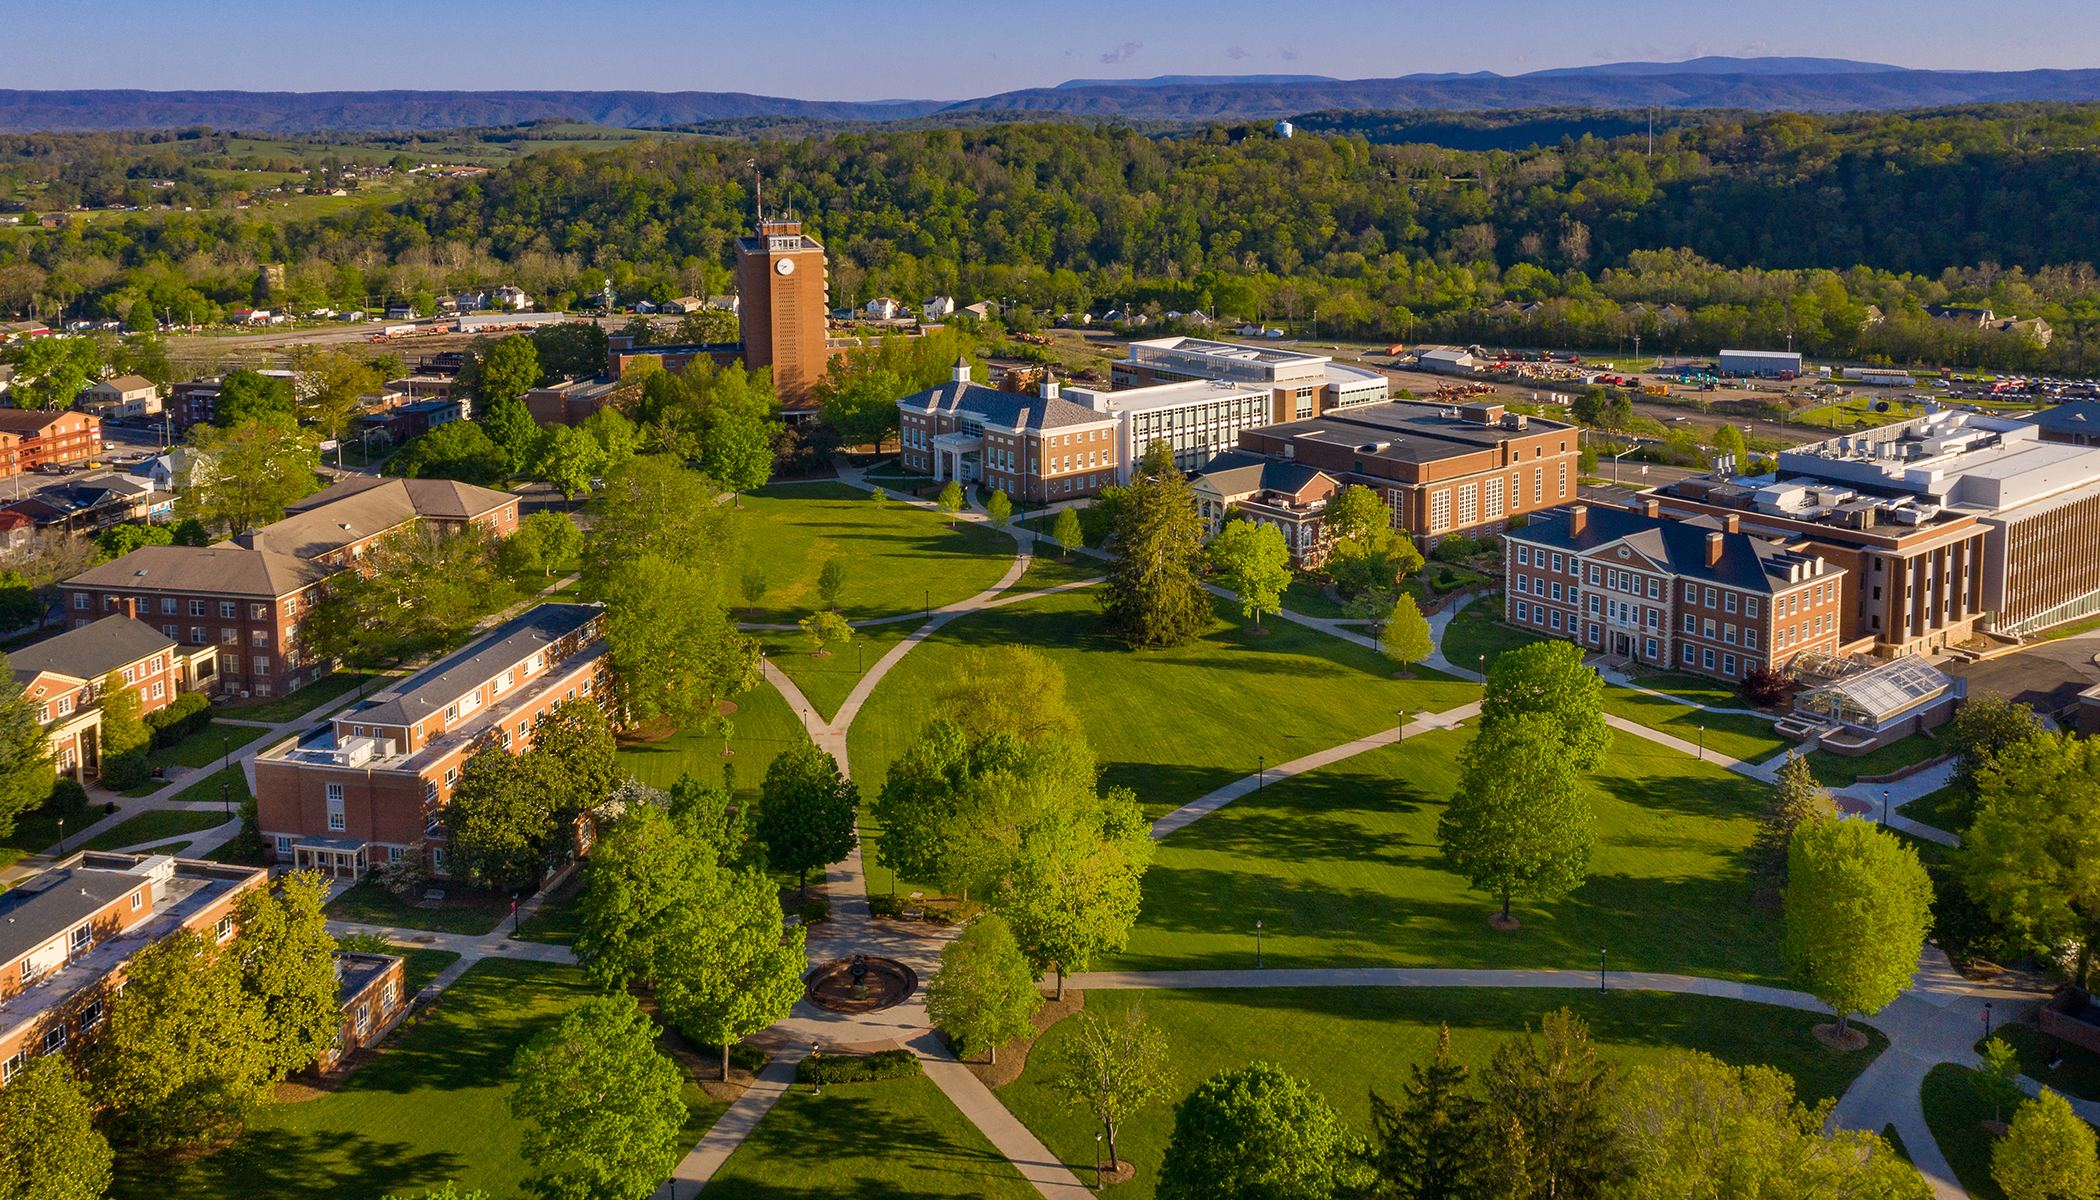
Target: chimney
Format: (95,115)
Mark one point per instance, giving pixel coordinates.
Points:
(131,607)
(962,369)
(1651,508)
(1713,547)
(1048,390)
(1578,518)
(1732,523)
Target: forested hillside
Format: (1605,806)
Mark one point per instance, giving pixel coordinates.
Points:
(1760,227)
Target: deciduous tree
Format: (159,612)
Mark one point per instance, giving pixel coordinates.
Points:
(1405,638)
(1255,564)
(822,627)
(2047,1154)
(674,651)
(569,459)
(498,821)
(1549,678)
(999,509)
(1984,727)
(1011,689)
(25,756)
(1519,823)
(603,1103)
(246,396)
(287,966)
(1355,512)
(831,580)
(1113,1069)
(2032,857)
(806,810)
(983,994)
(1257,1133)
(120,540)
(51,372)
(1858,906)
(738,450)
(1068,874)
(733,970)
(420,591)
(244,476)
(919,801)
(122,729)
(653,505)
(543,542)
(515,434)
(511,369)
(1066,530)
(862,405)
(49,1147)
(950,501)
(455,450)
(645,880)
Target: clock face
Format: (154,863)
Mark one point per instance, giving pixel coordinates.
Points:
(785,266)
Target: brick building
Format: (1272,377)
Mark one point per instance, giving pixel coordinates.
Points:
(1696,595)
(374,787)
(68,934)
(783,318)
(1036,448)
(572,401)
(372,992)
(1199,419)
(31,438)
(62,679)
(1442,471)
(337,524)
(1290,496)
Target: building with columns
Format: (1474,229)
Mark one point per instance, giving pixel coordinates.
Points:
(1037,448)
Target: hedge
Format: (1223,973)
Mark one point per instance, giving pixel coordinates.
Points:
(126,770)
(847,1068)
(189,714)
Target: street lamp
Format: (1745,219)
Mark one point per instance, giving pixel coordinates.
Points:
(513,914)
(1483,677)
(859,661)
(1600,970)
(1702,743)
(1986,1019)
(1261,772)
(225,797)
(225,752)
(1257,945)
(1097,1162)
(1884,808)
(1400,730)
(929,604)
(61,837)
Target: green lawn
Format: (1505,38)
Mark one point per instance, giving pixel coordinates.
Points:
(171,849)
(1838,770)
(36,832)
(894,1139)
(154,826)
(1044,571)
(1696,688)
(466,910)
(1748,738)
(1343,868)
(432,1109)
(827,681)
(895,554)
(1478,630)
(1944,809)
(1172,724)
(290,708)
(1307,597)
(557,920)
(424,965)
(1955,1114)
(208,788)
(2077,1075)
(1346,1041)
(207,746)
(762,727)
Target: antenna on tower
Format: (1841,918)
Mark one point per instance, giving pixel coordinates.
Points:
(758,182)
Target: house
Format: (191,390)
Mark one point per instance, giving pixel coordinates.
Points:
(513,298)
(69,933)
(17,533)
(2034,329)
(61,677)
(164,470)
(729,303)
(93,504)
(414,419)
(337,524)
(1699,595)
(982,310)
(645,306)
(685,304)
(572,401)
(883,308)
(470,301)
(938,308)
(1288,495)
(1974,318)
(31,439)
(371,991)
(193,402)
(124,396)
(372,787)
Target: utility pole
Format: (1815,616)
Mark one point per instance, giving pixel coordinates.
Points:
(1651,131)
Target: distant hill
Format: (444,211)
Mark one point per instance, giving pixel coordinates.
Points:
(1167,80)
(1716,64)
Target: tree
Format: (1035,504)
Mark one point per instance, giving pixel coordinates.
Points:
(732,970)
(1113,1069)
(603,1104)
(1255,563)
(753,586)
(1549,678)
(1153,599)
(1519,822)
(184,1054)
(2048,1154)
(983,994)
(1257,1133)
(1793,798)
(831,580)
(645,879)
(122,729)
(999,509)
(511,369)
(572,759)
(420,591)
(1070,874)
(1858,906)
(1998,1079)
(25,756)
(1729,440)
(738,451)
(568,349)
(1066,530)
(49,1147)
(652,505)
(822,627)
(331,387)
(1439,1143)
(1157,459)
(1558,1094)
(51,372)
(1354,514)
(950,501)
(862,405)
(569,459)
(2032,857)
(708,327)
(510,427)
(498,822)
(247,396)
(19,604)
(544,541)
(1018,690)
(244,476)
(1405,638)
(287,966)
(674,651)
(455,450)
(1984,727)
(120,540)
(919,802)
(614,433)
(806,810)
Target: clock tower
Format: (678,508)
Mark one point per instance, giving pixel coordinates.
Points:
(783,297)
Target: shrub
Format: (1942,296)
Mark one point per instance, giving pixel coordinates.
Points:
(748,1058)
(814,911)
(67,796)
(868,1068)
(1763,686)
(126,770)
(190,713)
(885,906)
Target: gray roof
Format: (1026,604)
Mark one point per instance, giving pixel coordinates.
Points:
(2079,416)
(54,902)
(1008,410)
(1747,563)
(442,682)
(356,971)
(92,651)
(1405,432)
(221,570)
(1236,472)
(358,508)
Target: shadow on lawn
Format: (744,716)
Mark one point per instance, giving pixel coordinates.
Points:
(287,1165)
(841,1126)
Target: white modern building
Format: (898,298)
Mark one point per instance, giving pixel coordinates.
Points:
(1300,385)
(1200,418)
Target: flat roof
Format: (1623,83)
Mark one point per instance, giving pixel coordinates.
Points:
(1960,459)
(1399,431)
(1164,395)
(446,680)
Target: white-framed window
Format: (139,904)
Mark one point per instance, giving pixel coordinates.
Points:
(80,600)
(1691,623)
(1440,510)
(62,705)
(393,854)
(430,790)
(389,995)
(506,738)
(224,929)
(130,675)
(536,662)
(1729,601)
(1596,634)
(1559,564)
(284,843)
(262,664)
(1709,628)
(82,937)
(1651,648)
(54,1038)
(258,612)
(1728,664)
(1749,638)
(505,681)
(1563,479)
(13,1065)
(1706,658)
(1523,556)
(1468,504)
(1749,606)
(335,793)
(1691,656)
(1523,611)
(451,776)
(1555,620)
(364,1019)
(228,610)
(90,1015)
(1556,590)
(138,901)
(159,689)
(167,609)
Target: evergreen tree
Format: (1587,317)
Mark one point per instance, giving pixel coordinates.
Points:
(1438,1143)
(1153,599)
(806,810)
(1556,1090)
(1793,798)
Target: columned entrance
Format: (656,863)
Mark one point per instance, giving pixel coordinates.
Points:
(957,456)
(336,858)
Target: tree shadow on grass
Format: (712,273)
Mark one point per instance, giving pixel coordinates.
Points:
(288,1165)
(852,1124)
(470,1040)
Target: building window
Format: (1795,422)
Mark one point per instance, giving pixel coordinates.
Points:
(1728,633)
(262,664)
(1494,498)
(1523,556)
(1595,634)
(228,610)
(167,606)
(505,681)
(130,675)
(1730,601)
(430,790)
(1439,510)
(1749,637)
(335,818)
(451,776)
(506,738)
(258,612)
(284,844)
(1710,598)
(64,705)
(80,600)
(1728,664)
(1651,648)
(1707,659)
(1563,479)
(1555,621)
(258,637)
(335,793)
(389,995)
(54,1039)
(1523,611)
(364,1019)
(196,608)
(223,929)
(1691,623)
(1556,562)
(1749,606)
(229,636)
(160,689)
(1468,504)
(83,937)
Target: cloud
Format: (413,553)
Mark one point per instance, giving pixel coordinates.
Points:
(1696,50)
(1123,53)
(1755,49)
(1235,53)
(1288,54)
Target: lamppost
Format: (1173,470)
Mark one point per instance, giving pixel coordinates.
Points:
(1483,678)
(929,604)
(1097,1162)
(1261,772)
(1257,945)
(225,752)
(1884,808)
(859,661)
(61,837)
(1986,1019)
(1702,743)
(1400,730)
(225,797)
(513,914)
(1600,970)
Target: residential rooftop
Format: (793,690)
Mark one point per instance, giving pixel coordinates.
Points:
(91,651)
(443,682)
(221,570)
(358,508)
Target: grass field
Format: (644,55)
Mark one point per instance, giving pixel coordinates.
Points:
(1733,734)
(1944,809)
(1477,630)
(827,681)
(37,831)
(1343,868)
(1045,571)
(895,554)
(1696,688)
(1345,1041)
(466,910)
(1838,770)
(299,703)
(898,1138)
(432,1109)
(233,792)
(1307,597)
(1172,724)
(763,726)
(2077,1075)
(424,965)
(158,825)
(207,746)
(1955,1113)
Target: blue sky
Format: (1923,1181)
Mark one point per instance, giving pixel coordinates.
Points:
(872,49)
